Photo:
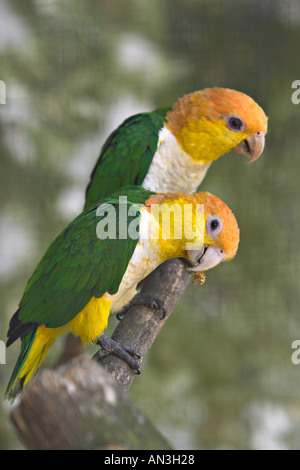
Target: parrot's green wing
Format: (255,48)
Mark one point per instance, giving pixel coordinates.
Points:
(126,155)
(79,265)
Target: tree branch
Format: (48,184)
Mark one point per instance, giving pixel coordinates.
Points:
(140,326)
(79,406)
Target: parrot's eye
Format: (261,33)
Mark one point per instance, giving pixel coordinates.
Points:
(214,226)
(235,123)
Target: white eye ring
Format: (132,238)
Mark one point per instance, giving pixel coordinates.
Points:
(214,226)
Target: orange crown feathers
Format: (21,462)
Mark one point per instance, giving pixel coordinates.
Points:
(213,104)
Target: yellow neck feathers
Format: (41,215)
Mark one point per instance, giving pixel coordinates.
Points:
(206,141)
(198,121)
(175,223)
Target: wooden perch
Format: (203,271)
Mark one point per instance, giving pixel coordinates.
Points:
(140,326)
(79,405)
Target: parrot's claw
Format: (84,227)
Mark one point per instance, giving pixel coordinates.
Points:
(125,353)
(146,300)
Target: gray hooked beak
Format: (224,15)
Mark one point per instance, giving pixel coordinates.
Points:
(252,146)
(205,258)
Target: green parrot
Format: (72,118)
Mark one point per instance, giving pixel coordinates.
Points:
(93,268)
(171,149)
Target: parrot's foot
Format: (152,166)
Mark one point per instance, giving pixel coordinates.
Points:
(146,300)
(123,352)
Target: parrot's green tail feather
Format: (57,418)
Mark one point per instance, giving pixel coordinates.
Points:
(34,346)
(16,383)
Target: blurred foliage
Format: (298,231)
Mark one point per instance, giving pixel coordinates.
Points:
(220,373)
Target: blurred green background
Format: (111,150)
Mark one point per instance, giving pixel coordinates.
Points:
(220,373)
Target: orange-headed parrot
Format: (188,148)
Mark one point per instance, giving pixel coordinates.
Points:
(93,267)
